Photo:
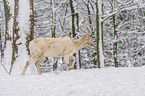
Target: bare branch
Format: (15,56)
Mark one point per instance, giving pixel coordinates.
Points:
(122,9)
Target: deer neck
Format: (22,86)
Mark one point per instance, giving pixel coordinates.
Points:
(79,43)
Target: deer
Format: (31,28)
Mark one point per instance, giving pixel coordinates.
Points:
(65,47)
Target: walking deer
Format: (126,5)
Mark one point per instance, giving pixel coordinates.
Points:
(57,47)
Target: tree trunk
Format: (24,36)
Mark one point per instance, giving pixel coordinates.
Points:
(1,50)
(97,36)
(115,43)
(102,7)
(31,20)
(53,28)
(73,24)
(79,53)
(55,63)
(55,58)
(8,36)
(15,36)
(7,18)
(115,37)
(73,18)
(101,33)
(80,64)
(89,13)
(31,35)
(99,27)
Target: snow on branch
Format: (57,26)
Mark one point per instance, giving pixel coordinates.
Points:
(122,9)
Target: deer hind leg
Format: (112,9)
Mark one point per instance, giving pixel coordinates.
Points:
(32,60)
(37,64)
(74,60)
(66,59)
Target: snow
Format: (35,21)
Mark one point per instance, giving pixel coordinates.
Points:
(91,82)
(8,53)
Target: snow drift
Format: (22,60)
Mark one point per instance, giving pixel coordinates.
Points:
(91,82)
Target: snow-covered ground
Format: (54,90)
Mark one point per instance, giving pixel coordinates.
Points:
(91,82)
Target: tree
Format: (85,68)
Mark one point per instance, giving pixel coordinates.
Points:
(73,19)
(15,35)
(7,48)
(15,39)
(2,16)
(30,36)
(73,14)
(115,36)
(99,34)
(7,18)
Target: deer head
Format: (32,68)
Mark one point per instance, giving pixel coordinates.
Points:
(88,36)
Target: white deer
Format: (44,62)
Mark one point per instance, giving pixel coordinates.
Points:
(57,47)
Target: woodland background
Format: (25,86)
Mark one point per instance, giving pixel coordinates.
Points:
(119,35)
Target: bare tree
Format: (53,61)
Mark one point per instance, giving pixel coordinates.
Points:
(7,18)
(31,35)
(99,34)
(73,19)
(115,36)
(15,35)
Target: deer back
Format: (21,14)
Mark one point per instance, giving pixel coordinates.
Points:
(52,47)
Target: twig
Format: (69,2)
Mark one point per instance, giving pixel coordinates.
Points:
(5,68)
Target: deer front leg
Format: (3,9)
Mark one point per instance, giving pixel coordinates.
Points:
(32,60)
(74,60)
(66,59)
(25,68)
(37,64)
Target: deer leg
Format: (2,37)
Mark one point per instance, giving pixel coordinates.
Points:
(32,60)
(74,60)
(66,59)
(37,64)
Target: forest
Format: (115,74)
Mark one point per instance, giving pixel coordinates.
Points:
(118,31)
